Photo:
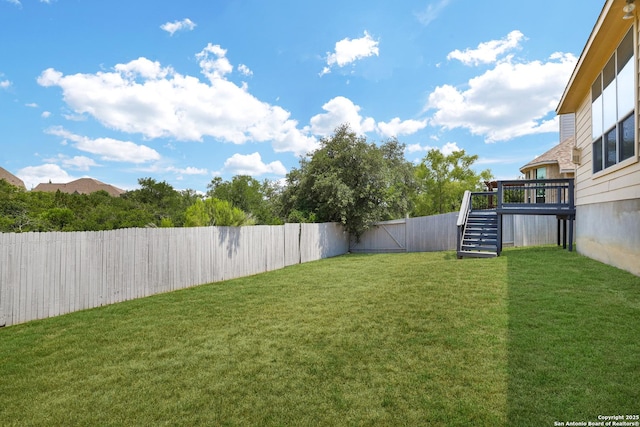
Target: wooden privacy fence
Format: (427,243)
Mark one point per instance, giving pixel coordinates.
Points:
(438,233)
(422,234)
(49,274)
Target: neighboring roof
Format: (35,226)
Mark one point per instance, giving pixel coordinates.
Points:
(560,155)
(81,186)
(607,33)
(11,178)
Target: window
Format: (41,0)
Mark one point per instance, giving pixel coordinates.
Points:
(612,108)
(541,173)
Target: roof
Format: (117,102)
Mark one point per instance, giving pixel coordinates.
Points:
(607,33)
(560,155)
(11,178)
(81,186)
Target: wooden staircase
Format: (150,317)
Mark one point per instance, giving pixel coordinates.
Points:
(480,236)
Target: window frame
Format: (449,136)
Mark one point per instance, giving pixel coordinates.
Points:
(607,139)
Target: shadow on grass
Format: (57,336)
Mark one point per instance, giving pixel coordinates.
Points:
(573,338)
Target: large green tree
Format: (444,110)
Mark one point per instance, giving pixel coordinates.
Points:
(249,195)
(165,204)
(350,180)
(442,180)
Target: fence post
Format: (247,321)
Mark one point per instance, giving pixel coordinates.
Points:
(499,213)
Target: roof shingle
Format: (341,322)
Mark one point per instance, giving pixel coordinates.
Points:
(11,178)
(81,186)
(560,154)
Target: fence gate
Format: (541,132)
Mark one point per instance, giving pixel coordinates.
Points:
(386,236)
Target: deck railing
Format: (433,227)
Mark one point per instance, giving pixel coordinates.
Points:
(465,208)
(536,197)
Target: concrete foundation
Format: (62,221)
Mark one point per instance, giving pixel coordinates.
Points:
(610,233)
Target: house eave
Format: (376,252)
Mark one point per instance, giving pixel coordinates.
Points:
(607,33)
(529,166)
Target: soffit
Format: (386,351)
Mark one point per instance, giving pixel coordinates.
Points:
(608,32)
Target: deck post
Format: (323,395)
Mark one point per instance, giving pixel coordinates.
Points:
(571,224)
(499,206)
(572,218)
(558,229)
(499,234)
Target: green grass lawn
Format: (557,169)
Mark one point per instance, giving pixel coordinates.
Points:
(535,336)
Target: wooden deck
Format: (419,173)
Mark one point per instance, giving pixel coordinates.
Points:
(518,197)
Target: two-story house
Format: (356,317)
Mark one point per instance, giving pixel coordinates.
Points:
(603,94)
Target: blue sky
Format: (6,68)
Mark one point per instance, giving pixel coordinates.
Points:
(185,91)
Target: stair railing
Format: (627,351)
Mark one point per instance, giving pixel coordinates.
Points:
(463,215)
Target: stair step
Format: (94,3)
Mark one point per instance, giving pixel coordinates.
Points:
(480,238)
(486,242)
(477,233)
(470,254)
(473,248)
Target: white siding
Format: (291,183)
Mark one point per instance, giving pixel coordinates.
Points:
(619,182)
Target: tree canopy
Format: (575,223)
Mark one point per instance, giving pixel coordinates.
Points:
(442,180)
(350,180)
(260,199)
(218,212)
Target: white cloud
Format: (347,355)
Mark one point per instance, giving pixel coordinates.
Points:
(172,27)
(143,68)
(340,110)
(397,127)
(446,149)
(508,101)
(34,175)
(4,84)
(416,148)
(181,172)
(348,51)
(75,117)
(192,171)
(145,98)
(245,70)
(16,2)
(449,148)
(31,105)
(45,114)
(432,12)
(80,163)
(252,164)
(213,62)
(108,148)
(488,52)
(519,161)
